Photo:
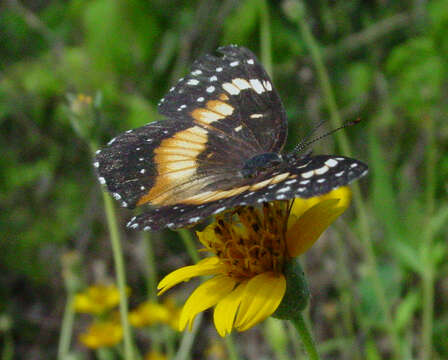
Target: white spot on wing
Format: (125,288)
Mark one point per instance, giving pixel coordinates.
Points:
(250,61)
(147,228)
(267,85)
(321,170)
(308,174)
(231,89)
(238,128)
(285,189)
(241,83)
(213,78)
(96,164)
(102,180)
(116,196)
(256,116)
(210,89)
(256,85)
(219,210)
(234,63)
(200,99)
(112,141)
(331,162)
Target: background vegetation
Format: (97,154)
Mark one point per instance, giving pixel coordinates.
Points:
(378,279)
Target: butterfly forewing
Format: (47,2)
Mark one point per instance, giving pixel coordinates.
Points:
(233,96)
(223,113)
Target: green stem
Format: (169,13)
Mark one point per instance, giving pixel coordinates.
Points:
(231,348)
(305,335)
(428,269)
(265,37)
(66,327)
(189,244)
(120,274)
(186,343)
(336,121)
(151,277)
(117,253)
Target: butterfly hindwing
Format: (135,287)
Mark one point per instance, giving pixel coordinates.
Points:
(299,178)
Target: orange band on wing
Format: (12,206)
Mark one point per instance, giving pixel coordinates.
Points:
(176,163)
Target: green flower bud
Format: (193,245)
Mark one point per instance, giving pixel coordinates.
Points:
(297,292)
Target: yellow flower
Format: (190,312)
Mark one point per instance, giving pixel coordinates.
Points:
(154,355)
(102,334)
(97,299)
(252,247)
(150,313)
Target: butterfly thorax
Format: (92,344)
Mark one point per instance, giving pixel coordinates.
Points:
(259,164)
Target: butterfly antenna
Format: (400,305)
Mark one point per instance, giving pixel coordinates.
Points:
(303,144)
(306,142)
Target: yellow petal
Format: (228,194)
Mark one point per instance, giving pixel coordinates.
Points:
(208,266)
(307,228)
(226,310)
(262,296)
(300,206)
(206,295)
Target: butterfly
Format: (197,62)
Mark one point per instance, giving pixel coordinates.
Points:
(220,147)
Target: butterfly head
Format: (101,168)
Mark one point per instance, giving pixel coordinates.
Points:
(259,164)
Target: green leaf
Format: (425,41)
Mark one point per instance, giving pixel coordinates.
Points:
(406,309)
(241,24)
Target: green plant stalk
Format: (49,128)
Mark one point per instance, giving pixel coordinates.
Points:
(189,244)
(7,352)
(231,348)
(67,327)
(336,121)
(305,335)
(120,274)
(345,282)
(151,281)
(183,353)
(265,37)
(428,269)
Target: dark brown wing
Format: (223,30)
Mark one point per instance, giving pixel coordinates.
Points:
(303,178)
(222,114)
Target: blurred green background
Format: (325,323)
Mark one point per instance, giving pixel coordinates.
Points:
(387,62)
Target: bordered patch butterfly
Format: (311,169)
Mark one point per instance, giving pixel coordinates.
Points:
(219,148)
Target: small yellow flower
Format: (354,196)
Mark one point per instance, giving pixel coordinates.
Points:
(154,355)
(102,334)
(251,248)
(150,313)
(97,299)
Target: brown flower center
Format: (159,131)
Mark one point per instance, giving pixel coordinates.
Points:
(251,241)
